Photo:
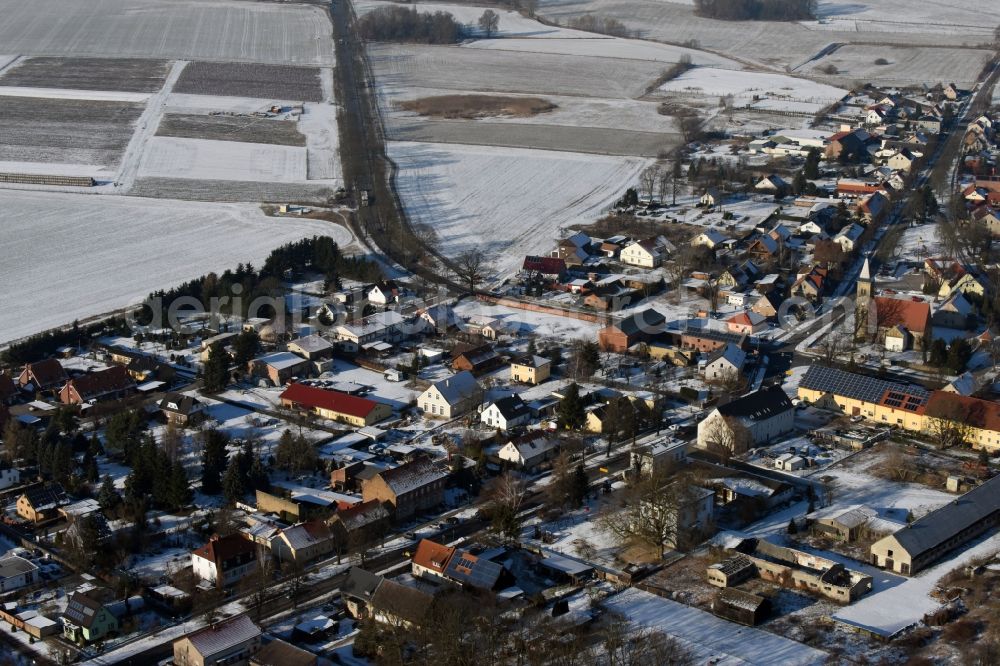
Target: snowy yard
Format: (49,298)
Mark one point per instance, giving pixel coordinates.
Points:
(72,256)
(507,202)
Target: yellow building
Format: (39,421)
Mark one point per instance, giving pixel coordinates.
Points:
(530,369)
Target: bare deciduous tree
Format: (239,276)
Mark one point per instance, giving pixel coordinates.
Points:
(472,268)
(489,22)
(648,179)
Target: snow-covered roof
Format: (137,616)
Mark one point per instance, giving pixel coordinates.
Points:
(224,635)
(458,387)
(280,360)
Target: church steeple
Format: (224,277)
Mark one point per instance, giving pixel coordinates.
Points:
(865,283)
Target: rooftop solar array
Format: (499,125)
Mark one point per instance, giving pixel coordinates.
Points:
(861,387)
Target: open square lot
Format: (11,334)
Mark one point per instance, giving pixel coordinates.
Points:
(231,128)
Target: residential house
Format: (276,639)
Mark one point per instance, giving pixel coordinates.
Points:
(280,653)
(225,561)
(530,369)
(666,454)
(575,249)
(47,375)
(358,590)
(389,327)
(955,312)
(334,405)
(710,239)
(360,524)
(311,347)
(749,421)
(707,340)
(110,384)
(902,160)
(438,319)
(772,184)
(711,198)
(986,216)
(470,571)
(768,303)
(849,523)
(41,504)
(550,268)
(17,572)
(477,359)
(182,410)
(303,543)
(965,384)
(848,237)
(914,316)
(649,253)
(529,451)
(451,397)
(747,323)
(399,605)
(689,518)
(383,293)
(872,208)
(638,327)
(506,413)
(847,145)
(926,540)
(430,560)
(724,362)
(487,327)
(410,488)
(879,400)
(86,619)
(231,642)
(279,367)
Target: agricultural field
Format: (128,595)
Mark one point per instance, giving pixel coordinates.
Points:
(121,74)
(225,30)
(505,201)
(246,129)
(261,81)
(205,159)
(792,44)
(747,87)
(904,65)
(65,131)
(232,191)
(112,251)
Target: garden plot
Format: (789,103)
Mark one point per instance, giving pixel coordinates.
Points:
(232,191)
(748,87)
(246,129)
(65,131)
(507,202)
(484,70)
(205,159)
(124,74)
(261,81)
(227,30)
(71,256)
(906,65)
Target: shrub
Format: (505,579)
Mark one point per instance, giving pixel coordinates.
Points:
(961,631)
(830,69)
(881,61)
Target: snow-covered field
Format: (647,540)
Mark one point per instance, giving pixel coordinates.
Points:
(907,65)
(523,322)
(70,256)
(745,86)
(216,30)
(507,202)
(591,45)
(712,640)
(66,93)
(169,157)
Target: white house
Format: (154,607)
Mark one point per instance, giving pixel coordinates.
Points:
(761,416)
(380,327)
(709,239)
(772,184)
(451,397)
(529,451)
(725,361)
(665,454)
(383,293)
(505,413)
(648,253)
(225,561)
(9,477)
(16,572)
(847,238)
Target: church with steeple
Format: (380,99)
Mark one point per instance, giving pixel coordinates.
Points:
(863,299)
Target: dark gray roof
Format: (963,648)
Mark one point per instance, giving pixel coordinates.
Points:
(950,520)
(759,405)
(401,601)
(360,584)
(646,321)
(473,571)
(511,406)
(82,609)
(857,387)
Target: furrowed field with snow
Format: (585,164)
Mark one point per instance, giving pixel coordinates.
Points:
(71,256)
(168,157)
(907,65)
(507,202)
(218,30)
(744,86)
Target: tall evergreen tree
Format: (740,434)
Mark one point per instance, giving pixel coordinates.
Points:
(233,486)
(571,412)
(215,375)
(213,460)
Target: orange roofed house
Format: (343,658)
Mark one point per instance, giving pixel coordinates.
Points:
(430,559)
(47,375)
(225,561)
(111,384)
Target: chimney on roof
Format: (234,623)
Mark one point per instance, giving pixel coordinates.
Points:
(215,537)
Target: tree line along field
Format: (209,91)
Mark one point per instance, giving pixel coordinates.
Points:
(125,74)
(65,130)
(279,82)
(226,30)
(247,129)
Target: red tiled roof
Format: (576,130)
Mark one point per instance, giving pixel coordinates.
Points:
(334,401)
(978,413)
(915,316)
(432,555)
(225,548)
(546,265)
(115,378)
(47,372)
